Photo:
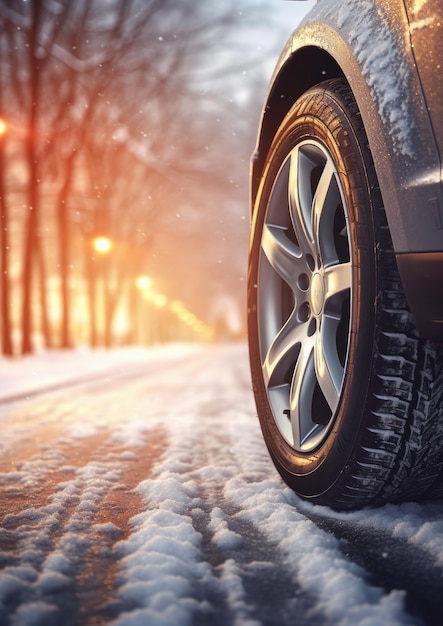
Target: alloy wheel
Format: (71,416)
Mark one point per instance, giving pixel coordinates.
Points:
(305,295)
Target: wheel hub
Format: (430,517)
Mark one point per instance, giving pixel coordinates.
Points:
(317,293)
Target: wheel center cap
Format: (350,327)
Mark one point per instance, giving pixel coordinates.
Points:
(317,294)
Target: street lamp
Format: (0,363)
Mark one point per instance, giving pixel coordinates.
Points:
(143,282)
(102,244)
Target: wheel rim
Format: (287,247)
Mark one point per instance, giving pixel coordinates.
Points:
(304,296)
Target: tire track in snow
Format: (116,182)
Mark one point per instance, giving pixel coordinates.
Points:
(248,564)
(57,555)
(96,583)
(249,570)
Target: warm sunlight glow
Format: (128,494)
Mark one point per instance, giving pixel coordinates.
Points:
(3,126)
(188,318)
(102,244)
(143,282)
(160,300)
(177,307)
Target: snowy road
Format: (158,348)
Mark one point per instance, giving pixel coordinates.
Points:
(145,496)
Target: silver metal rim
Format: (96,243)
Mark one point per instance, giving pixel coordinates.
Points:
(305,295)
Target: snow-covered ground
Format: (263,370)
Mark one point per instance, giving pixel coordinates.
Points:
(49,369)
(146,496)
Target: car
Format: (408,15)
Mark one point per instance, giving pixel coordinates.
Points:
(345,277)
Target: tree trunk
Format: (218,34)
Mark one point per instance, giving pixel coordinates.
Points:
(91,279)
(6,341)
(46,327)
(64,254)
(33,195)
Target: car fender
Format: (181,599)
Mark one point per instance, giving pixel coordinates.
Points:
(368,45)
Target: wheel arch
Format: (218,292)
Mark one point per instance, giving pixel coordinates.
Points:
(290,81)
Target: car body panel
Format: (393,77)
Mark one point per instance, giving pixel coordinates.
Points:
(369,43)
(426,28)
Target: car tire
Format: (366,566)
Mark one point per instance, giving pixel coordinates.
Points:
(348,395)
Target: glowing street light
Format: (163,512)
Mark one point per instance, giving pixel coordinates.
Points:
(102,244)
(143,282)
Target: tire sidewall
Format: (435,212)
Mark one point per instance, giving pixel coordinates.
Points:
(315,473)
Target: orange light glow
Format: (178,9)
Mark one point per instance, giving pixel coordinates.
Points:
(3,126)
(177,307)
(143,282)
(160,300)
(102,244)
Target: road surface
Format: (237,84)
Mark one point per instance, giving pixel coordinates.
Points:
(144,495)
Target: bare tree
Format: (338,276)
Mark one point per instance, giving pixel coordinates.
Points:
(129,136)
(6,340)
(33,167)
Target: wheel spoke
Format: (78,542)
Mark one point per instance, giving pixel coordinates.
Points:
(328,370)
(282,352)
(300,200)
(338,278)
(321,196)
(302,390)
(281,253)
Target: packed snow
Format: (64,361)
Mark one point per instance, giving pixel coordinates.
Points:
(143,495)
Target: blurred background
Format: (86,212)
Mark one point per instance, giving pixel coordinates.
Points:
(126,129)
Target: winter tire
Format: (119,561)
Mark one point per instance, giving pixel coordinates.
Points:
(347,395)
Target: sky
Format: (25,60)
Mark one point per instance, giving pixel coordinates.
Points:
(286,15)
(290,12)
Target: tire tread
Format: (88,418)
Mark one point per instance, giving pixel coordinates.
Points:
(400,453)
